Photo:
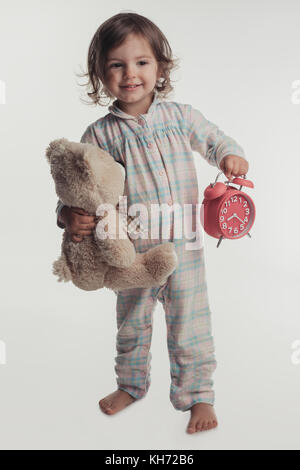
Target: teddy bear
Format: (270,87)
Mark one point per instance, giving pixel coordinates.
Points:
(88,177)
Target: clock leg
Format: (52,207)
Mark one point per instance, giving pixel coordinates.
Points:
(219,242)
(249,234)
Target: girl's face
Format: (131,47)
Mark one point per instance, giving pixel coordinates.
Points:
(132,63)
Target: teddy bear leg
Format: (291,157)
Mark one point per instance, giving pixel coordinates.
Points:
(61,269)
(118,253)
(81,263)
(93,281)
(150,269)
(161,261)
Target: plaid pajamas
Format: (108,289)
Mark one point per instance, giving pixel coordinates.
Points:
(189,339)
(156,150)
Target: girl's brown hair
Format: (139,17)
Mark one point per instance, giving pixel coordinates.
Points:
(111,34)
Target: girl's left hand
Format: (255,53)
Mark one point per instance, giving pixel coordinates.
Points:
(233,166)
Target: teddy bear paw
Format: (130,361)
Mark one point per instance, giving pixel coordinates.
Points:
(161,261)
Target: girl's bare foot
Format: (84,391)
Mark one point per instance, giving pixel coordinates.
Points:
(202,418)
(115,402)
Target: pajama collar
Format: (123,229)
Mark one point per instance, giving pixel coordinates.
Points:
(113,109)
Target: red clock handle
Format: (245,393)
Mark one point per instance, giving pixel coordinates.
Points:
(217,189)
(243,182)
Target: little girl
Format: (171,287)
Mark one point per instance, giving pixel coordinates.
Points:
(130,59)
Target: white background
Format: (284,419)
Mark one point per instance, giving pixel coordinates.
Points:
(238,62)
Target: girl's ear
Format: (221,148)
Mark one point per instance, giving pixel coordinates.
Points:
(158,73)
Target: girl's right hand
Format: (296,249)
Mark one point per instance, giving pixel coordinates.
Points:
(78,222)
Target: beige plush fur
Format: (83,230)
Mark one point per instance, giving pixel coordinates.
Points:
(86,176)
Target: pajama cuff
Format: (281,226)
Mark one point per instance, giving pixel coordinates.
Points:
(58,209)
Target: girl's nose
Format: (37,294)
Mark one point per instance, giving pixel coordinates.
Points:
(129,73)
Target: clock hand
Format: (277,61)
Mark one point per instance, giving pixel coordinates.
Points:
(233,215)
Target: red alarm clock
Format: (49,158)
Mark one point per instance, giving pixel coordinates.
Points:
(227,212)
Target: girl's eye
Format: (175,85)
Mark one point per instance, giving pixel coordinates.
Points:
(140,62)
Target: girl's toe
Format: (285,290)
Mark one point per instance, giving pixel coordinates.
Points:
(205,426)
(191,428)
(104,405)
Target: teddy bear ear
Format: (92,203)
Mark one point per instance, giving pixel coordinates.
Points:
(82,164)
(79,161)
(56,148)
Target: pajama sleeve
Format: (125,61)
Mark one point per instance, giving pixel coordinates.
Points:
(89,137)
(58,209)
(210,141)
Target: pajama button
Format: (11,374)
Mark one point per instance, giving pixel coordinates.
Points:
(149,145)
(141,122)
(170,202)
(161,173)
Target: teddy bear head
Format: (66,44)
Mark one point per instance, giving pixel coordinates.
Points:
(85,176)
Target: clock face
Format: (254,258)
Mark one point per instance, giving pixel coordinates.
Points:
(236,216)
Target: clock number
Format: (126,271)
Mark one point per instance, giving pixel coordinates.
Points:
(247,211)
(245,204)
(224,211)
(224,225)
(221,218)
(227,203)
(234,198)
(236,230)
(241,227)
(246,219)
(230,228)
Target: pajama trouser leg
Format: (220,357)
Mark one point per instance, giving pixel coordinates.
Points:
(134,321)
(189,336)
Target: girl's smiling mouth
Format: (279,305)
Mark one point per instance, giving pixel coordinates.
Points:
(131,87)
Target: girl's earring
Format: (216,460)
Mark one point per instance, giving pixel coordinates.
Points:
(159,81)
